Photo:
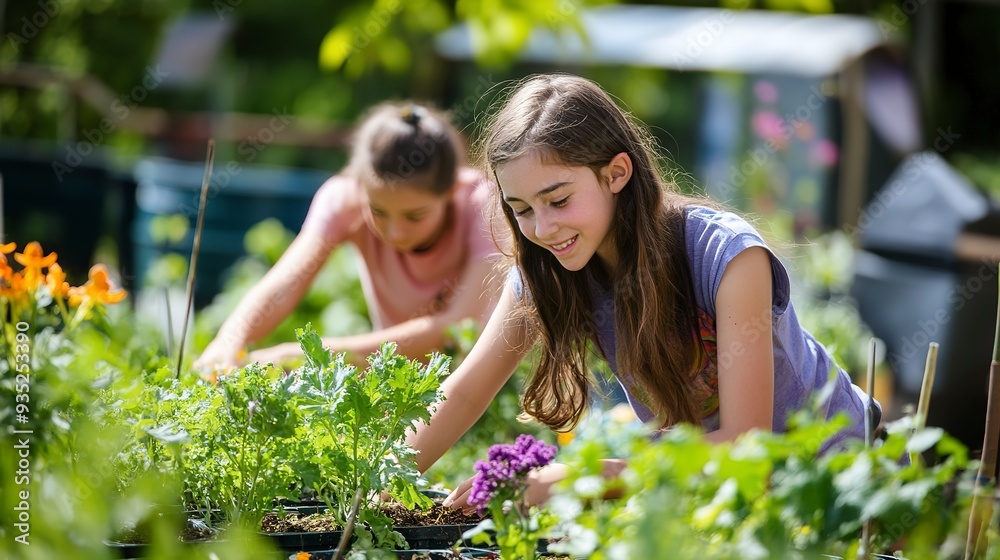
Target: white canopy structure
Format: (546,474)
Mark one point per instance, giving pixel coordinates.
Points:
(704,39)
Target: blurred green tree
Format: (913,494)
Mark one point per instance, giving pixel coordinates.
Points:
(322,60)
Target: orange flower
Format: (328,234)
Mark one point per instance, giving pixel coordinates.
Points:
(5,269)
(34,260)
(56,281)
(303,556)
(33,256)
(15,291)
(96,290)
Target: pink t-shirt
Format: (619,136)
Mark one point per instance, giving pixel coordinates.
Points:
(402,286)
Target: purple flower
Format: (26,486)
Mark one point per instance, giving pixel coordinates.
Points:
(506,468)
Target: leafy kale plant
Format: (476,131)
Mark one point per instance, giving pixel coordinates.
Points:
(355,425)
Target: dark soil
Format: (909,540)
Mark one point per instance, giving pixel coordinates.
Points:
(401,517)
(436,515)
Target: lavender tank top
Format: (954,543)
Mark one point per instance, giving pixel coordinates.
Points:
(802,366)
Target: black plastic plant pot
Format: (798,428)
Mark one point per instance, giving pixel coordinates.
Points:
(417,554)
(285,502)
(197,520)
(429,537)
(307,541)
(434,494)
(445,554)
(873,556)
(142,550)
(306,509)
(128,550)
(435,537)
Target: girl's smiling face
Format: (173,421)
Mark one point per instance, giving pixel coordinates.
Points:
(566,209)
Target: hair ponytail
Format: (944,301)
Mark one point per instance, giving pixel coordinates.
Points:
(407,144)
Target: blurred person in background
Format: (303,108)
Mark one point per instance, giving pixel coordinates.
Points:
(417,217)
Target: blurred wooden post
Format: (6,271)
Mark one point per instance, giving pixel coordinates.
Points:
(982,503)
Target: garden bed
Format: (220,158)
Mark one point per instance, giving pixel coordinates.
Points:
(118,430)
(437,528)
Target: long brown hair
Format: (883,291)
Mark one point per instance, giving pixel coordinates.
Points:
(572,121)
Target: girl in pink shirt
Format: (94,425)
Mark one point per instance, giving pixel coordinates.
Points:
(425,248)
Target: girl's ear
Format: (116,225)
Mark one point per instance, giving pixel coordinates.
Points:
(617,172)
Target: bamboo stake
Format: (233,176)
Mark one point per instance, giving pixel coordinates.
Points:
(210,160)
(866,529)
(349,528)
(924,403)
(869,429)
(170,322)
(982,502)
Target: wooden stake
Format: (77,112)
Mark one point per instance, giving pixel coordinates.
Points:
(869,414)
(349,528)
(924,404)
(194,250)
(982,500)
(170,322)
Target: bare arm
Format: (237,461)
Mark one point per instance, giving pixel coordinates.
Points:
(475,294)
(270,300)
(745,350)
(471,388)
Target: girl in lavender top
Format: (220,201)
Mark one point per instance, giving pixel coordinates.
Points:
(686,302)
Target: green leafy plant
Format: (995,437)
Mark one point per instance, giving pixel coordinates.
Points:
(95,454)
(324,430)
(356,424)
(765,496)
(149,406)
(239,458)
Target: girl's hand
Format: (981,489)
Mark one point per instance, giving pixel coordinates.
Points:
(219,356)
(459,497)
(539,488)
(275,354)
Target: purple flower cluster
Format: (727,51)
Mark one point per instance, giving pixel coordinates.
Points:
(506,467)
